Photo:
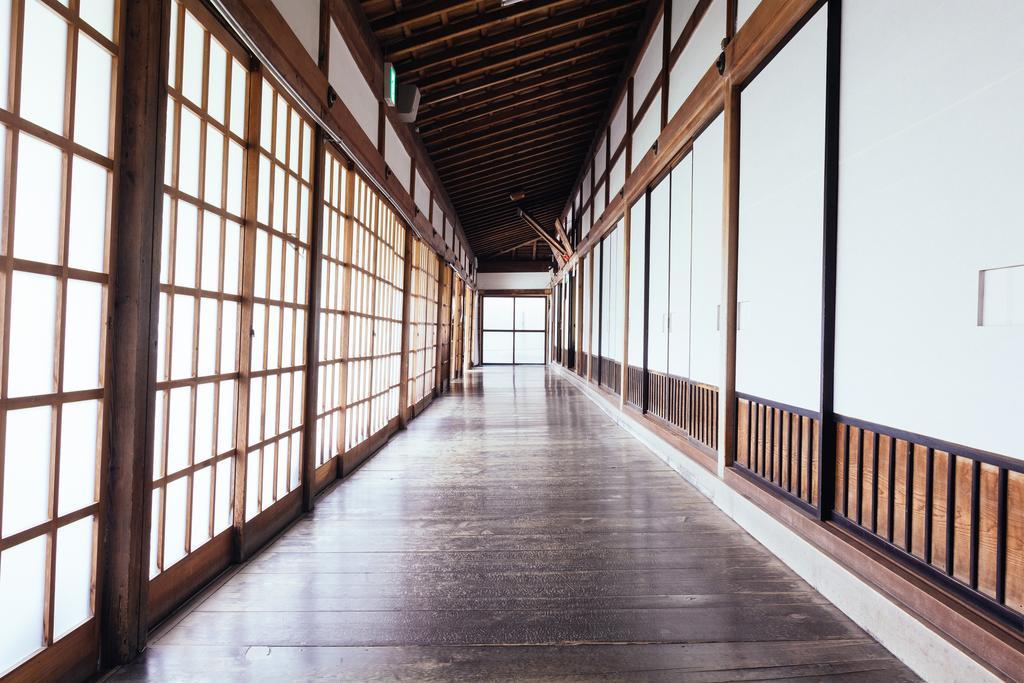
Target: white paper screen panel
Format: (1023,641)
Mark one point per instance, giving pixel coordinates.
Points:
(744,8)
(588,263)
(660,275)
(600,158)
(395,155)
(303,17)
(918,221)
(585,189)
(650,65)
(617,129)
(680,277)
(700,53)
(353,90)
(782,135)
(637,279)
(604,302)
(618,291)
(706,268)
(681,12)
(646,131)
(599,203)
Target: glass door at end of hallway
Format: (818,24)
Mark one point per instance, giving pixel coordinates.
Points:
(514,330)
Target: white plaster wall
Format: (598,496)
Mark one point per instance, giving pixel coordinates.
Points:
(782,135)
(706,292)
(599,203)
(617,176)
(650,65)
(700,53)
(353,90)
(681,12)
(744,8)
(303,17)
(396,156)
(930,191)
(600,158)
(437,219)
(618,126)
(422,193)
(637,282)
(646,130)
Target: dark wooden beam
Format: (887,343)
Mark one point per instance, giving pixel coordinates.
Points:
(558,250)
(575,19)
(124,556)
(431,10)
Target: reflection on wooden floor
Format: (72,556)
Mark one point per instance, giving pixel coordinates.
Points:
(513,533)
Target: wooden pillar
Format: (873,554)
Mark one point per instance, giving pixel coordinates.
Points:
(252,163)
(124,560)
(403,361)
(309,408)
(727,315)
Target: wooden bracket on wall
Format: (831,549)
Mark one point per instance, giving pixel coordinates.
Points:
(560,252)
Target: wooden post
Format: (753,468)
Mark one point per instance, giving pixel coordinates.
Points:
(124,570)
(403,361)
(727,317)
(252,164)
(309,408)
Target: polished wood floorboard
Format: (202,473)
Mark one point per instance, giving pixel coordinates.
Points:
(513,532)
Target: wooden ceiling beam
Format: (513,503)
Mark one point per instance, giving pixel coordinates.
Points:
(569,105)
(470,158)
(403,18)
(589,12)
(485,145)
(467,182)
(540,148)
(577,47)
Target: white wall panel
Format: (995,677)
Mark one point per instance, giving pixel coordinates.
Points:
(637,281)
(599,202)
(600,158)
(618,126)
(540,280)
(604,302)
(303,17)
(353,90)
(700,53)
(658,301)
(744,8)
(437,219)
(395,155)
(706,274)
(650,65)
(646,130)
(930,190)
(680,277)
(617,176)
(681,12)
(618,292)
(782,135)
(422,197)
(585,188)
(587,264)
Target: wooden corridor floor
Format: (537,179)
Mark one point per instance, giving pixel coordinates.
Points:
(513,533)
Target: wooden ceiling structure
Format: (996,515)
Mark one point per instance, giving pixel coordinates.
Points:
(512,94)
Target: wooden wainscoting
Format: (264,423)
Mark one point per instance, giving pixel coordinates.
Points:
(635,386)
(690,406)
(953,512)
(611,375)
(583,365)
(778,444)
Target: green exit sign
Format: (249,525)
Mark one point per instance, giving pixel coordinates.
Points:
(390,84)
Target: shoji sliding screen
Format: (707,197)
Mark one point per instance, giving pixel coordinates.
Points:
(779,288)
(635,332)
(375,316)
(387,325)
(422,321)
(685,287)
(335,253)
(200,289)
(279,295)
(612,302)
(58,95)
